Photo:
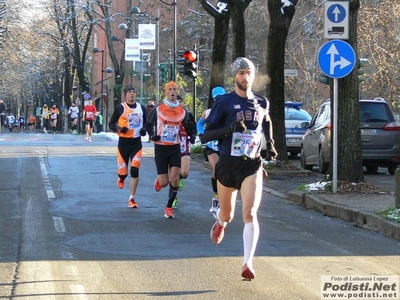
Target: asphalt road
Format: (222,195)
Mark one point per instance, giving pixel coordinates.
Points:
(67,233)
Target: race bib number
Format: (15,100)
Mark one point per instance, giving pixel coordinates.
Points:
(53,116)
(89,115)
(170,133)
(134,121)
(245,143)
(183,144)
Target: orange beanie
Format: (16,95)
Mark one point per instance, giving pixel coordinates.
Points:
(169,84)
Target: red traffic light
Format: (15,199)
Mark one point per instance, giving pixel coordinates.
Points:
(191,56)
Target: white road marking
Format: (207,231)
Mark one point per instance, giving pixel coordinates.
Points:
(59,224)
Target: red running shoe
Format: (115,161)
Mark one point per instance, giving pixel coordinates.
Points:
(248,273)
(157,185)
(120,183)
(132,203)
(217,232)
(168,213)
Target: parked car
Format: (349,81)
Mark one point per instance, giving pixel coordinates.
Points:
(294,117)
(380,137)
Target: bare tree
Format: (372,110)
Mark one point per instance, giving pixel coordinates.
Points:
(280,20)
(74,22)
(220,43)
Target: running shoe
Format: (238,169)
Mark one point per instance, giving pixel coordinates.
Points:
(86,137)
(120,183)
(217,232)
(180,186)
(214,205)
(248,273)
(168,213)
(175,203)
(132,203)
(157,185)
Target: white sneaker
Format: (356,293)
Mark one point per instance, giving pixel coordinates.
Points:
(214,205)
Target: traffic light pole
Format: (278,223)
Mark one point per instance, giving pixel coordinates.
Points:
(195,83)
(194,97)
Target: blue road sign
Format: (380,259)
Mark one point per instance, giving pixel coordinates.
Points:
(336,58)
(336,13)
(336,20)
(87,96)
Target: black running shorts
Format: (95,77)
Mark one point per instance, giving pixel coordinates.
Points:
(232,170)
(166,157)
(209,151)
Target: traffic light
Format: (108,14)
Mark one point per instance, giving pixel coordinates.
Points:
(181,62)
(187,63)
(362,62)
(323,78)
(191,63)
(163,73)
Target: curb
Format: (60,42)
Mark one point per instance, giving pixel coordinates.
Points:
(361,219)
(312,201)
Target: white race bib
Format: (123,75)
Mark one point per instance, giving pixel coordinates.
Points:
(245,143)
(170,133)
(134,121)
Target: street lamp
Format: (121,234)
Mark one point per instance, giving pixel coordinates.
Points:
(157,19)
(108,70)
(174,5)
(127,27)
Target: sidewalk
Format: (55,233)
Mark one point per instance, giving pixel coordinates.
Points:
(357,208)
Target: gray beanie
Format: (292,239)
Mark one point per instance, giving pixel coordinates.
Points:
(242,63)
(129,88)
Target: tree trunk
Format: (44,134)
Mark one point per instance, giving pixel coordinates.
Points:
(217,77)
(278,31)
(350,166)
(236,10)
(220,44)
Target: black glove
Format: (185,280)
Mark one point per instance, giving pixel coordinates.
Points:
(271,149)
(192,139)
(190,127)
(201,137)
(142,131)
(238,126)
(123,130)
(155,138)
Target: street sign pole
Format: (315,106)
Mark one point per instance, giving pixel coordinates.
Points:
(335,133)
(336,59)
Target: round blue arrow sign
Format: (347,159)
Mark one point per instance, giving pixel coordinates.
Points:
(336,58)
(87,96)
(336,13)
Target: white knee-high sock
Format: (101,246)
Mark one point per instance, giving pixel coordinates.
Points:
(251,232)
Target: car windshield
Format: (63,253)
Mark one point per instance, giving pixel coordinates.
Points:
(294,114)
